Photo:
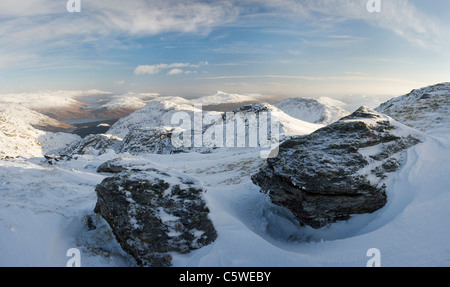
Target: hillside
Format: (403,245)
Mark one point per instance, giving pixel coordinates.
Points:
(22,132)
(157,113)
(425,109)
(311,110)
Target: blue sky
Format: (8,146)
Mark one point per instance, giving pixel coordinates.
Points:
(193,48)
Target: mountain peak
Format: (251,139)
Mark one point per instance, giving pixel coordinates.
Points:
(311,110)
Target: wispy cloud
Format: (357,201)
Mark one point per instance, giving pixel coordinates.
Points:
(43,25)
(401,17)
(309,78)
(398,16)
(156,69)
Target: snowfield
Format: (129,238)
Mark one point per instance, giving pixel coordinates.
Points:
(19,137)
(47,209)
(44,209)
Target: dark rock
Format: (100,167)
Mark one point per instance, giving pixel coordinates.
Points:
(112,166)
(150,141)
(153,213)
(336,171)
(94,144)
(52,159)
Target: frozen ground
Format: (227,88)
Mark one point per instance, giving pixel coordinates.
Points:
(47,209)
(44,211)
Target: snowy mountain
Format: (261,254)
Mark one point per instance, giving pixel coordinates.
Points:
(132,103)
(224,98)
(288,125)
(157,113)
(150,129)
(48,207)
(425,109)
(50,99)
(19,137)
(311,110)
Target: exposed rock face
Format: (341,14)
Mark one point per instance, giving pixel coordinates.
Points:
(336,171)
(153,213)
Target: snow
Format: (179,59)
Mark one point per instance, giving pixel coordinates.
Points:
(126,102)
(225,98)
(309,110)
(44,208)
(47,99)
(156,113)
(424,109)
(132,101)
(42,205)
(18,137)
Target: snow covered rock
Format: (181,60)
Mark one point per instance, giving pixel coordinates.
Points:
(424,109)
(312,111)
(149,140)
(93,144)
(337,171)
(154,213)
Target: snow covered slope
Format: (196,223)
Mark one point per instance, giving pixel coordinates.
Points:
(312,111)
(289,125)
(18,137)
(47,99)
(125,103)
(157,113)
(425,109)
(46,210)
(224,98)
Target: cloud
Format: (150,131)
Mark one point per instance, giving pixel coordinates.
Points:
(398,16)
(175,72)
(401,17)
(42,27)
(156,69)
(20,8)
(352,78)
(25,22)
(42,33)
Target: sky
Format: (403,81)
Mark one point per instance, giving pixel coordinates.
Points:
(191,48)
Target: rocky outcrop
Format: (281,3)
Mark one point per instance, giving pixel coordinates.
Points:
(150,141)
(93,144)
(154,213)
(337,171)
